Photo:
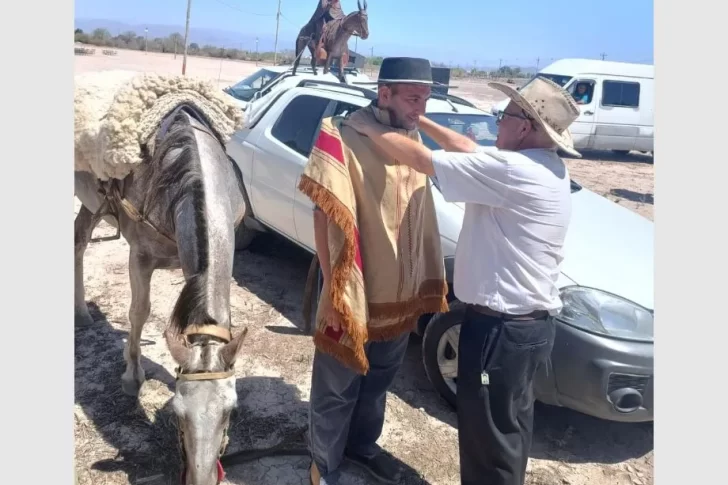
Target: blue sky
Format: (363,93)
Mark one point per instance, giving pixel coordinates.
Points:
(465,32)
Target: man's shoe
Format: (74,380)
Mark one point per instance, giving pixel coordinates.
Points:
(383,466)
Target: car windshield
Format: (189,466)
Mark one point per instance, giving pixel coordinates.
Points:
(480,128)
(246,89)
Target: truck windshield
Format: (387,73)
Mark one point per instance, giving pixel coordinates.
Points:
(246,89)
(557,78)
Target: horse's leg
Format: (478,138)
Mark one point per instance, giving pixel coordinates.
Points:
(140,276)
(83,227)
(313,47)
(327,66)
(299,48)
(343,62)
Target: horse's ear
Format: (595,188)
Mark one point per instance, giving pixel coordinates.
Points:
(231,351)
(365,4)
(358,4)
(180,352)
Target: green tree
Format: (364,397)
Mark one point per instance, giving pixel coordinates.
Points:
(101,37)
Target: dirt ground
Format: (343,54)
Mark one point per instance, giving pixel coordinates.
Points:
(120,441)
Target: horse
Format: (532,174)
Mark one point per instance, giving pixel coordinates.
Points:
(333,39)
(178,209)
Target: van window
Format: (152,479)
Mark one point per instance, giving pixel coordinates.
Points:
(620,93)
(582,90)
(557,78)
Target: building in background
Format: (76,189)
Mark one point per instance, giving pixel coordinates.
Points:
(356,60)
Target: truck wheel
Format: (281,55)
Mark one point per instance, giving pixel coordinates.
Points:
(245,235)
(440,351)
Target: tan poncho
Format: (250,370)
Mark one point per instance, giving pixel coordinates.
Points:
(384,243)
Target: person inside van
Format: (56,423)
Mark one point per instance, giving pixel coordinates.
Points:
(581,93)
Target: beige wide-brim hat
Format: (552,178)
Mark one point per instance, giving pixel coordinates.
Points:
(550,106)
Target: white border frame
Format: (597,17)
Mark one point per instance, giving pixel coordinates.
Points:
(37,355)
(691,328)
(690,286)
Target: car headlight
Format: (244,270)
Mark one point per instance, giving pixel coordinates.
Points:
(606,314)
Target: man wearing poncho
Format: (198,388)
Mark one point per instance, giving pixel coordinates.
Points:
(378,243)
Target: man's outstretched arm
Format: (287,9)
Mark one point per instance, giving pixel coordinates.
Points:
(395,145)
(449,140)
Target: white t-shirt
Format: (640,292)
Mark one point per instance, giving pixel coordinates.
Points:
(517,211)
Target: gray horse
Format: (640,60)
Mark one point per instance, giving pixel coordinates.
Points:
(189,193)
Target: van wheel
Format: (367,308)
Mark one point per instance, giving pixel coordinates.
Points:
(440,351)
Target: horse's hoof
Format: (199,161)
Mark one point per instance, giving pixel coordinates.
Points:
(131,385)
(82,318)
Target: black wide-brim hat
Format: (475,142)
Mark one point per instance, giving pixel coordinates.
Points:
(405,70)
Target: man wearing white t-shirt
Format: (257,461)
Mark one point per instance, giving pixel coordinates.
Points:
(517,199)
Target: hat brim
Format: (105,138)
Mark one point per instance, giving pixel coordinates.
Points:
(563,140)
(404,81)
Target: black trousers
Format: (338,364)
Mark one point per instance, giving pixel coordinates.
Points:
(497,361)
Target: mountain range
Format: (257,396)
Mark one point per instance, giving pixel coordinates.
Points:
(238,40)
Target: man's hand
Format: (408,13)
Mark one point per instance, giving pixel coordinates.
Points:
(330,315)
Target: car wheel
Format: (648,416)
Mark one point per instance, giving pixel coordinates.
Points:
(440,351)
(244,235)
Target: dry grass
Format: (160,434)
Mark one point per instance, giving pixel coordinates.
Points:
(122,441)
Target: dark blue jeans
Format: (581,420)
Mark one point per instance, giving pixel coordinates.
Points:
(497,361)
(347,409)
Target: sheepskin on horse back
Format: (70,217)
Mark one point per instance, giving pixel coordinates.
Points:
(150,159)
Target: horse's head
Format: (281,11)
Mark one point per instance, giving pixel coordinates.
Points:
(204,397)
(363,27)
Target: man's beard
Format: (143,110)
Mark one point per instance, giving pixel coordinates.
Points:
(396,121)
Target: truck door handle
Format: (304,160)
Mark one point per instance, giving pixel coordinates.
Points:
(589,112)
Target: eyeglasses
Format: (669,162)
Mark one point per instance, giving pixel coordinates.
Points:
(503,114)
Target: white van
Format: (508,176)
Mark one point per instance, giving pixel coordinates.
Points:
(616,99)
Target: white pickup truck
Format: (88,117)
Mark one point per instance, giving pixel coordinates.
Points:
(602,362)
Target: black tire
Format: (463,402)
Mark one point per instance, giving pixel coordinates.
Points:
(244,235)
(437,327)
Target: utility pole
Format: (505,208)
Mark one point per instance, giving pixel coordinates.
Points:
(371,60)
(256,51)
(538,61)
(603,55)
(146,30)
(187,33)
(278,21)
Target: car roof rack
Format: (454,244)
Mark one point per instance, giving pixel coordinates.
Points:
(368,93)
(372,95)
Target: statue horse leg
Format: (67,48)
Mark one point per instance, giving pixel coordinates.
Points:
(300,46)
(313,45)
(343,62)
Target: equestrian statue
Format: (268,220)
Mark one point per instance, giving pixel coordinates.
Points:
(327,35)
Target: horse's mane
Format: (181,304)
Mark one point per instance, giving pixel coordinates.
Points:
(175,176)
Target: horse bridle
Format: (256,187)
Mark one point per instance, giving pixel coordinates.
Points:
(224,335)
